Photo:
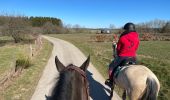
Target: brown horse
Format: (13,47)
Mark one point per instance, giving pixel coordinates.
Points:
(138,82)
(72,83)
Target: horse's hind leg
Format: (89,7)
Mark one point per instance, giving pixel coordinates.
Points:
(124,95)
(134,95)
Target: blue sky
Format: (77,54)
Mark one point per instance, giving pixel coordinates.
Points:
(91,13)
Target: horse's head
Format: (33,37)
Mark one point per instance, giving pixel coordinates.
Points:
(61,67)
(70,77)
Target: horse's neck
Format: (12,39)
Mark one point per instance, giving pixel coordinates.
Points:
(68,87)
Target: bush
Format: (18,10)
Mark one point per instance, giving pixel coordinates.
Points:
(22,62)
(147,37)
(154,37)
(102,38)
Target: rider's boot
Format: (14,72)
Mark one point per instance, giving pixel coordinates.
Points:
(109,82)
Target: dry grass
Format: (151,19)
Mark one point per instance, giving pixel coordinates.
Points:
(101,38)
(23,86)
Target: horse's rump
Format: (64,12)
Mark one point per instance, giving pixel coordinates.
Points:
(139,82)
(151,90)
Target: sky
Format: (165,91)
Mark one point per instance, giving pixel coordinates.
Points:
(91,13)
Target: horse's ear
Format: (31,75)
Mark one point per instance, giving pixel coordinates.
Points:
(85,64)
(59,65)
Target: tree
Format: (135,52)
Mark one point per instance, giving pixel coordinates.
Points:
(17,27)
(3,20)
(50,28)
(166,28)
(153,26)
(78,28)
(40,21)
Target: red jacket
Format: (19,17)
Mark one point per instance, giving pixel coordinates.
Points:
(128,44)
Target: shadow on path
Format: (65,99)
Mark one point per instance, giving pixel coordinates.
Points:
(97,90)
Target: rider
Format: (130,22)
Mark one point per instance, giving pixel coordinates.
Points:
(126,49)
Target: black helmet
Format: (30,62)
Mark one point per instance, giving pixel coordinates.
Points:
(129,27)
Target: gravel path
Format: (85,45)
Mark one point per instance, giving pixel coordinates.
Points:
(68,53)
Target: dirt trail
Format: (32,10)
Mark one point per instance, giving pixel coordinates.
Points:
(68,53)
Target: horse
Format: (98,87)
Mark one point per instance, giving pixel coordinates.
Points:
(138,82)
(72,83)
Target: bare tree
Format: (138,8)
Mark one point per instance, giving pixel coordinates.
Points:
(68,26)
(166,28)
(3,20)
(50,28)
(17,27)
(154,26)
(77,27)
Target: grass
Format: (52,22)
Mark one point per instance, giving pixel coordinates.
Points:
(9,53)
(23,86)
(155,49)
(153,54)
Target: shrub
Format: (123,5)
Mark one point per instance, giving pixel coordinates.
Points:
(102,38)
(22,62)
(154,37)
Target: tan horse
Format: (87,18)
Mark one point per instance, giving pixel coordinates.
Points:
(138,82)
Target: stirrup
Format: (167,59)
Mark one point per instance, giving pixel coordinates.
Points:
(109,83)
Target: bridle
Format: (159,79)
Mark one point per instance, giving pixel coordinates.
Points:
(82,73)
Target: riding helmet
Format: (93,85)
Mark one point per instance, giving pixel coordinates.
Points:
(129,27)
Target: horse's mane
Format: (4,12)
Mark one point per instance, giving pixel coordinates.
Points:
(62,85)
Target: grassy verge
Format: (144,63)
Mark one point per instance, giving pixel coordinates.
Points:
(9,51)
(153,54)
(23,86)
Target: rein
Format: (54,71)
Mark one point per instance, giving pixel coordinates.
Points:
(82,73)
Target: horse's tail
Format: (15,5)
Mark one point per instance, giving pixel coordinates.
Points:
(151,90)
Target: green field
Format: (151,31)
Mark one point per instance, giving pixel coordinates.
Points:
(23,86)
(153,54)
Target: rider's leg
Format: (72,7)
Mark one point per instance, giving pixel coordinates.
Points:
(110,80)
(113,65)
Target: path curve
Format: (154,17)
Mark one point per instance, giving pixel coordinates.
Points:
(68,53)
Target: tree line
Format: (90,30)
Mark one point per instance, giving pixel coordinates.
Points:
(34,21)
(154,26)
(40,21)
(23,28)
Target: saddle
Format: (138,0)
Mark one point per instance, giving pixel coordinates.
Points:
(122,65)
